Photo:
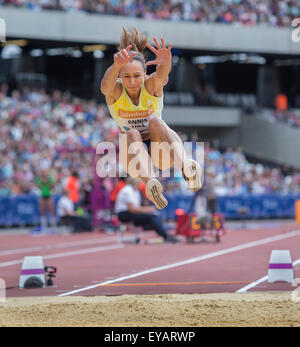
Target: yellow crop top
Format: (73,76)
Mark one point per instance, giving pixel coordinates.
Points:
(130,116)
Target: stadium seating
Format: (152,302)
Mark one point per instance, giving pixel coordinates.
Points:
(249,12)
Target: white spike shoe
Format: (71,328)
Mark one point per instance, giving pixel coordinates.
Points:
(192,173)
(154,191)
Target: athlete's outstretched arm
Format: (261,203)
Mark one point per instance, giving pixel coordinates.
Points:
(121,58)
(163,61)
(108,82)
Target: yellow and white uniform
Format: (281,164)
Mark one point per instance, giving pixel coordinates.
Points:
(130,116)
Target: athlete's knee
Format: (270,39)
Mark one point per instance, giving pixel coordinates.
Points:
(157,127)
(156,123)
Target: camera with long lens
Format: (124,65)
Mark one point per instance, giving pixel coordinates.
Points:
(50,271)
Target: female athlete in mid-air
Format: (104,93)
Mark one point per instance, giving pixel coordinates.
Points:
(135,101)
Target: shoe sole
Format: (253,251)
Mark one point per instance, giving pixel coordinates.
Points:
(194,179)
(154,193)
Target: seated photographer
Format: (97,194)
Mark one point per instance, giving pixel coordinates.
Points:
(67,214)
(129,209)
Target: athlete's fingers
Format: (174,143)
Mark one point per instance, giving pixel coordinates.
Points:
(170,47)
(154,50)
(131,56)
(124,53)
(163,42)
(156,42)
(152,62)
(120,57)
(128,48)
(117,56)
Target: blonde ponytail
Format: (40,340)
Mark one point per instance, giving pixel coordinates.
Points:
(138,42)
(134,38)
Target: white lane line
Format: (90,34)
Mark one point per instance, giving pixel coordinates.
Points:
(191,260)
(68,244)
(20,250)
(253,284)
(55,246)
(263,279)
(66,254)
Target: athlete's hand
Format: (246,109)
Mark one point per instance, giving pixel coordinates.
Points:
(122,57)
(163,54)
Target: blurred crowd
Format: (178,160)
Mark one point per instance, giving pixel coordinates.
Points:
(246,12)
(290,117)
(281,112)
(39,131)
(228,173)
(58,133)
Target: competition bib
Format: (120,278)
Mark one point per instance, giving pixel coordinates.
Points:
(136,120)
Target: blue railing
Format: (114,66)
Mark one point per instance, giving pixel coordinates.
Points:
(20,210)
(24,209)
(242,206)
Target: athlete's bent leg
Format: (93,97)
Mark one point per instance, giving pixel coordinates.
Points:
(166,146)
(137,162)
(167,150)
(134,157)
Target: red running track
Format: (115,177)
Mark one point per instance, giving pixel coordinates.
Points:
(97,264)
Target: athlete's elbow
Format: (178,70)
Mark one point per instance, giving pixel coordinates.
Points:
(103,88)
(164,80)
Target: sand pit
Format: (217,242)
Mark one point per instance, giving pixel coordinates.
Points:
(191,310)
